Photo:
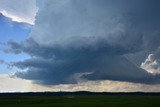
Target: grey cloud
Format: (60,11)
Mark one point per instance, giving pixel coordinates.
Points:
(73,37)
(61,65)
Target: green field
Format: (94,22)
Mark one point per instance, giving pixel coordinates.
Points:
(81,101)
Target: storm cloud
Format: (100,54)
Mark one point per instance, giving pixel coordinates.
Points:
(80,40)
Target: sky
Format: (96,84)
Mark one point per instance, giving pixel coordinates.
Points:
(80,45)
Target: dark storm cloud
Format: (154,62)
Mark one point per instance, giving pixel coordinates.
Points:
(60,66)
(89,40)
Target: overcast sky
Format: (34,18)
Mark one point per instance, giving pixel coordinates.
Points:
(52,45)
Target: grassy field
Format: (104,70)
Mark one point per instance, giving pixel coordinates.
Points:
(81,101)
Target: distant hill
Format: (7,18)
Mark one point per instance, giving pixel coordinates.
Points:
(79,93)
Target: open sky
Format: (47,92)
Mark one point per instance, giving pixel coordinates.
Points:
(73,45)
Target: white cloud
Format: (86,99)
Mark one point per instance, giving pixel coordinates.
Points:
(151,64)
(8,84)
(19,10)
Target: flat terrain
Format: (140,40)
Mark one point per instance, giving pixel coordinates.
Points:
(80,101)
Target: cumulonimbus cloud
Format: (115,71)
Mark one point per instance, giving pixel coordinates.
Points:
(76,40)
